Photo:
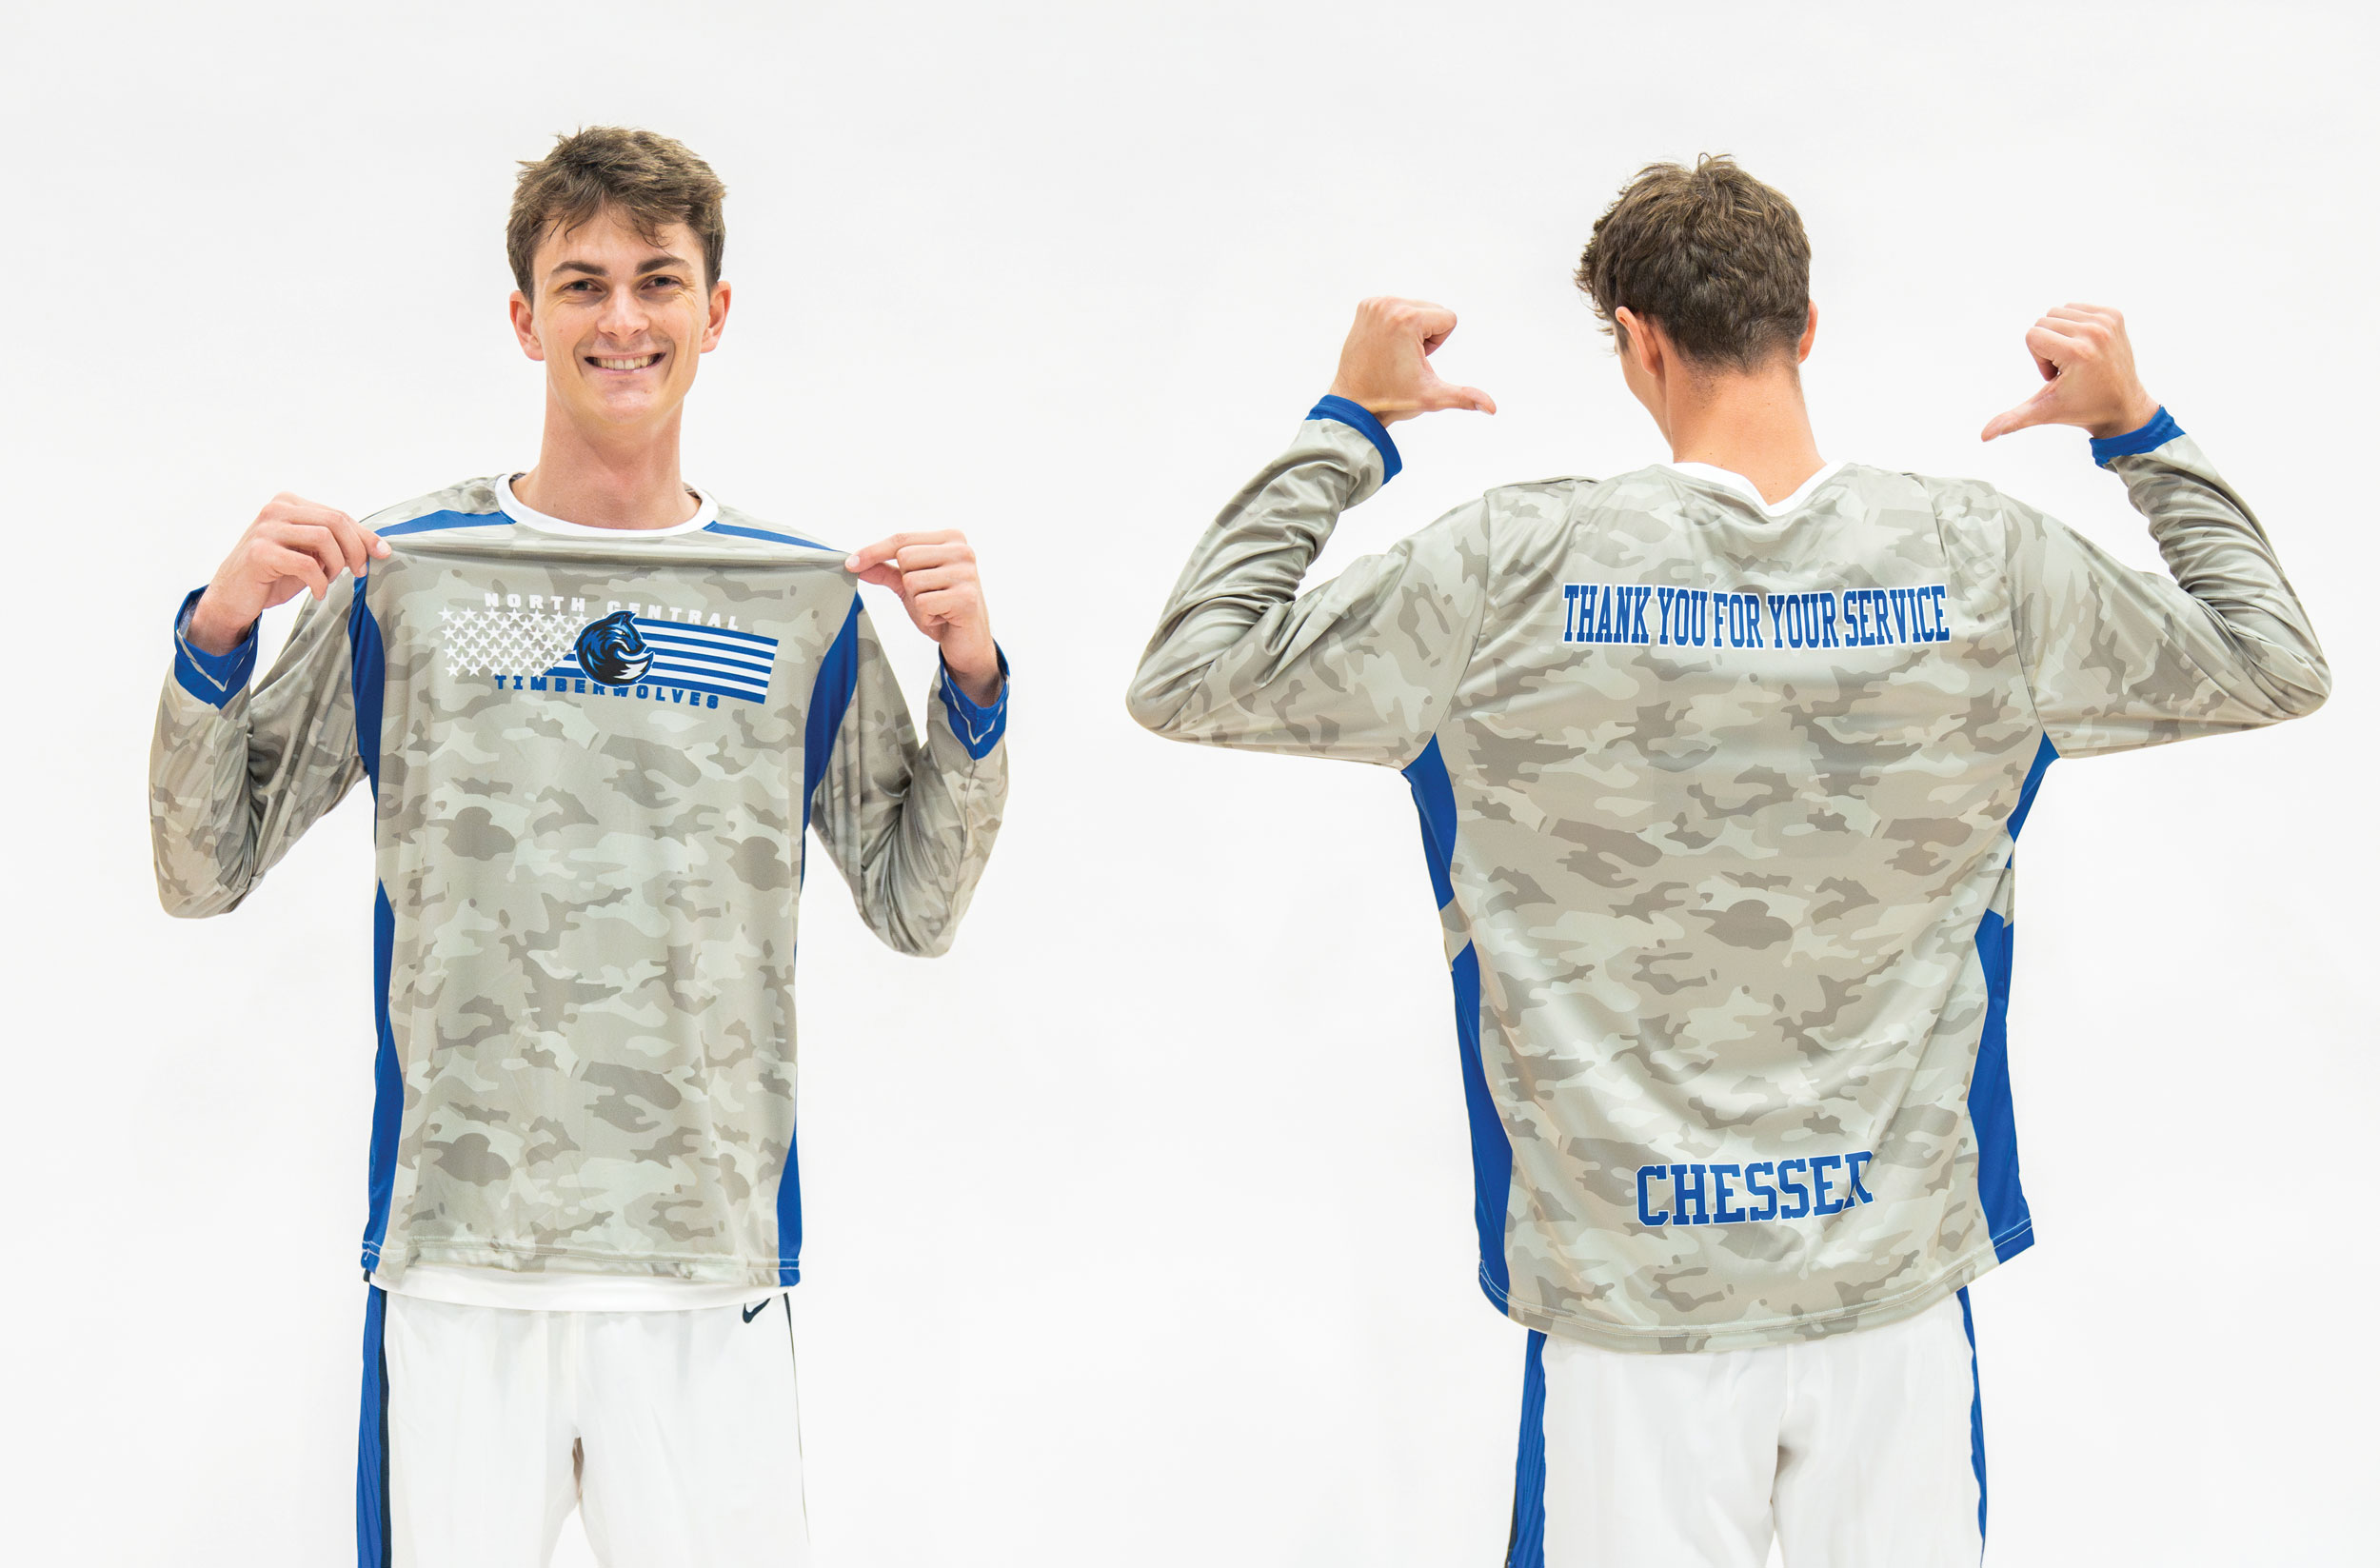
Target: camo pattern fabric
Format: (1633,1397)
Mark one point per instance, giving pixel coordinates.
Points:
(595,761)
(1719,810)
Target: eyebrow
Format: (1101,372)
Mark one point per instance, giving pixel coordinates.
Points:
(654,264)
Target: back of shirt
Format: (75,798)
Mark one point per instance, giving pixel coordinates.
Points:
(1720,804)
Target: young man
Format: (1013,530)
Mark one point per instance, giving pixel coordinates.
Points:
(1720,765)
(598,711)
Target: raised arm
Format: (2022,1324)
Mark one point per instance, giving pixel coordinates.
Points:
(2117,658)
(1363,666)
(911,826)
(234,775)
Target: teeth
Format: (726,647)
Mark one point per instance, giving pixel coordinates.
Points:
(638,363)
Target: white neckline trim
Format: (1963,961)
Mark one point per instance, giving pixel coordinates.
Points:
(529,517)
(1743,486)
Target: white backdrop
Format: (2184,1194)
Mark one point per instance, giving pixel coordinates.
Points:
(1097,1272)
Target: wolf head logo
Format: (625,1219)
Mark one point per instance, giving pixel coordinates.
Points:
(610,651)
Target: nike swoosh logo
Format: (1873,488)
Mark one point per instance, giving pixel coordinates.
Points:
(755,1310)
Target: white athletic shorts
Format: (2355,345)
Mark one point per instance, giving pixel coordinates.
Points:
(674,1431)
(1861,1451)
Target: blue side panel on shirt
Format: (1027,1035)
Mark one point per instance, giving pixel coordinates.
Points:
(1990,1107)
(831,699)
(367,676)
(433,522)
(1974,1415)
(772,537)
(1526,1548)
(1491,1148)
(372,1548)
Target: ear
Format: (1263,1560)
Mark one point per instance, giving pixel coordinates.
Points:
(1637,342)
(1808,335)
(722,296)
(524,326)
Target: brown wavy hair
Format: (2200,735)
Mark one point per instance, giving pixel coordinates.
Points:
(651,180)
(1711,253)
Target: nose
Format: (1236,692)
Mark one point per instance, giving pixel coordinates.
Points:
(623,316)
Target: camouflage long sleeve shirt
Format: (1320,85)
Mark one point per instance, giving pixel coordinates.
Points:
(595,756)
(1719,805)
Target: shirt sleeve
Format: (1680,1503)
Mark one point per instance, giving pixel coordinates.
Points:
(2118,659)
(236,775)
(1362,667)
(909,825)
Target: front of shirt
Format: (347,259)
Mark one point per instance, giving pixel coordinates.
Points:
(595,755)
(1719,804)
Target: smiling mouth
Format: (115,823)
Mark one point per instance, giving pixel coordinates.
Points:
(636,361)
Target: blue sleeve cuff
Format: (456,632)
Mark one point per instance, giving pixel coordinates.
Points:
(2147,439)
(1348,412)
(979,728)
(212,677)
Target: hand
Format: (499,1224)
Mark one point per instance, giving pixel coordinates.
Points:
(934,575)
(2084,355)
(293,544)
(1385,363)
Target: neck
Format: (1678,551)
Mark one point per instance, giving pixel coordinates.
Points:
(1755,424)
(608,480)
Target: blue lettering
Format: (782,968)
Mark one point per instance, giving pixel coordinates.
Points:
(1752,606)
(1680,1194)
(1570,612)
(1701,616)
(1853,1164)
(1941,614)
(1646,1175)
(1666,595)
(1603,617)
(714,700)
(1776,619)
(1722,1211)
(1818,1168)
(1793,1189)
(1825,604)
(1643,633)
(516,684)
(537,683)
(644,691)
(1758,1188)
(578,686)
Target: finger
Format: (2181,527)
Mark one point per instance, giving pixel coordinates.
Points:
(859,561)
(305,567)
(350,539)
(883,575)
(315,542)
(2046,343)
(931,578)
(953,605)
(2036,409)
(1446,394)
(920,557)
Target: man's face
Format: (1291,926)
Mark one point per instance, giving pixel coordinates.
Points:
(619,320)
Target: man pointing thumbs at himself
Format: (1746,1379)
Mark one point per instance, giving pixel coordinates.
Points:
(1719,765)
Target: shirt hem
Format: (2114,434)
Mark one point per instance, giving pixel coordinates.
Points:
(1685,1339)
(534,1261)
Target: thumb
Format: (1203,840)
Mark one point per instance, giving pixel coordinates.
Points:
(2040,408)
(1445,394)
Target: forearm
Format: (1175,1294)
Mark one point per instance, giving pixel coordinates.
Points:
(236,775)
(922,848)
(1226,623)
(2256,638)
